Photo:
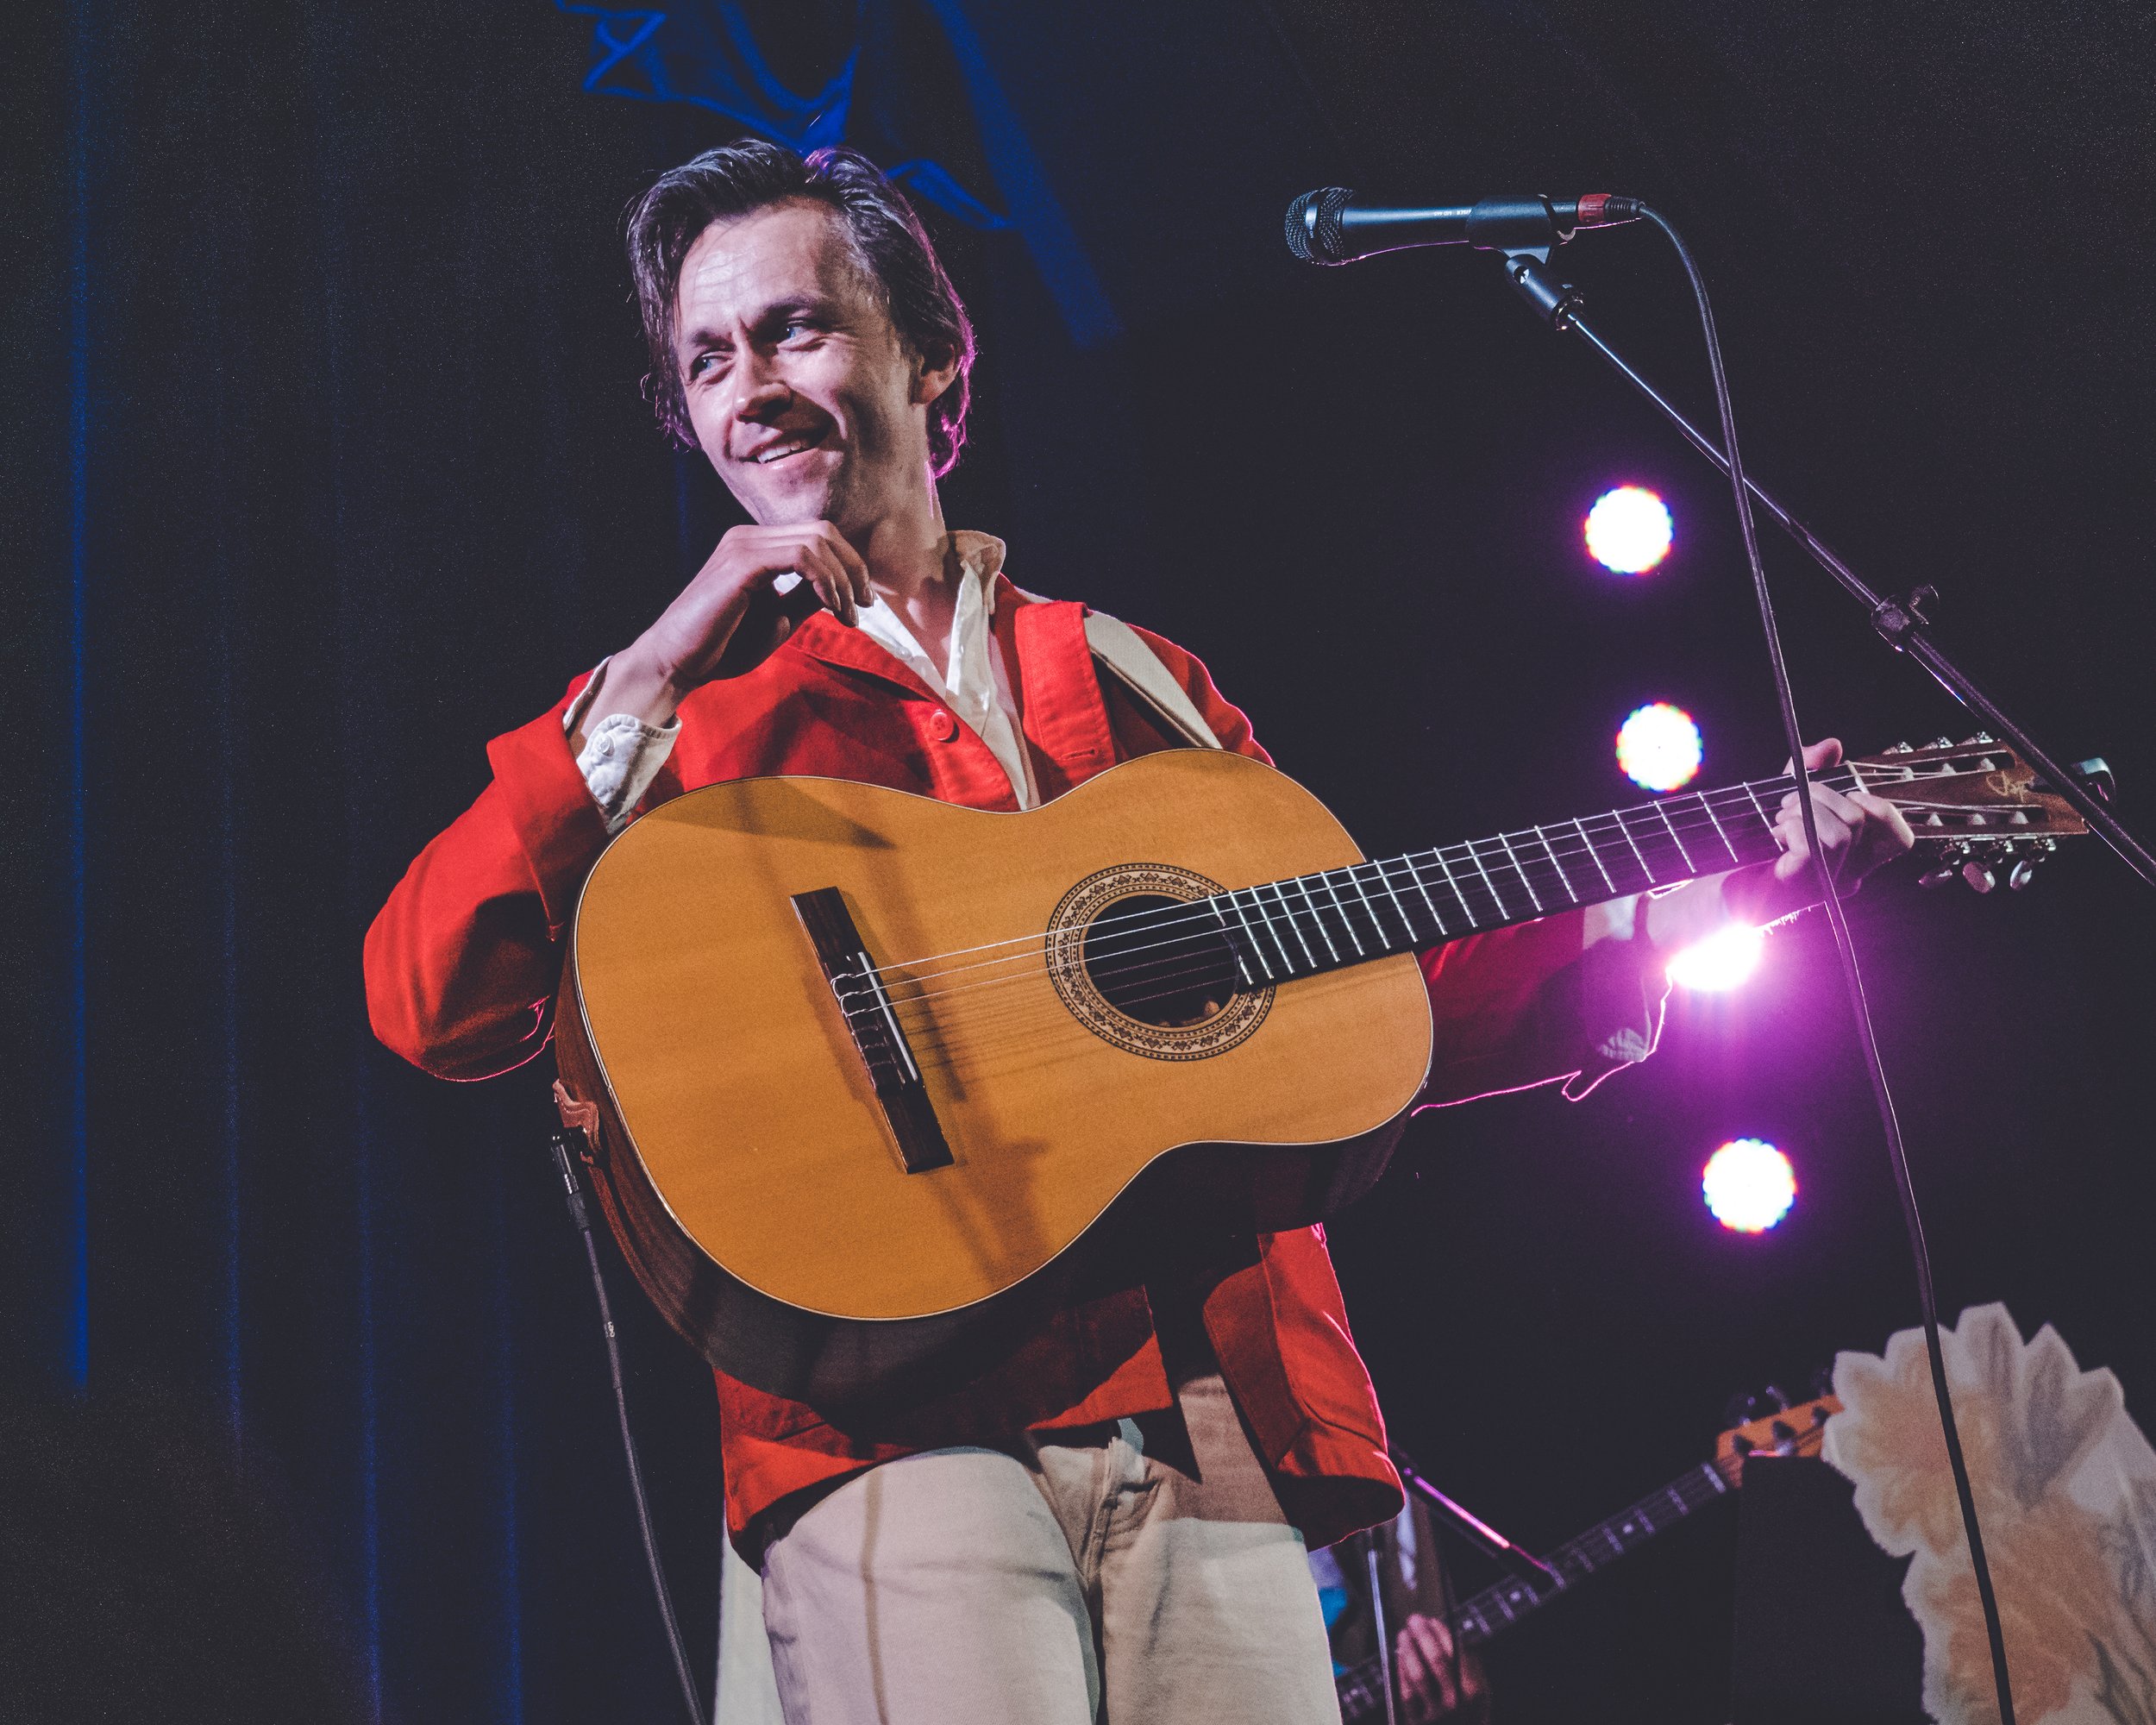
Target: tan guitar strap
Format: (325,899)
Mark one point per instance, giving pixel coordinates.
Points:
(1122,652)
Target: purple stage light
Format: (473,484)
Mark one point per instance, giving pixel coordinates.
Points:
(1749,1185)
(1628,530)
(1658,746)
(1721,961)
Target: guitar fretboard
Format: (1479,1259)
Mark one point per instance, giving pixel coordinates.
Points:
(1495,1608)
(1283,929)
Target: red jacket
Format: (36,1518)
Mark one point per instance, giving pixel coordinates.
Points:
(463,961)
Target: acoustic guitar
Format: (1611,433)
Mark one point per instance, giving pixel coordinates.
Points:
(1787,1431)
(859,1068)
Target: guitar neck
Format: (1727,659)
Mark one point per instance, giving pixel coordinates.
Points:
(1362,1688)
(1297,927)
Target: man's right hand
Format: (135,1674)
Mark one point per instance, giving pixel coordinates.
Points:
(706,632)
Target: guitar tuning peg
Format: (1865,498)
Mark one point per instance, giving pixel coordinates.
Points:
(1822,1382)
(2024,871)
(1948,867)
(1899,749)
(1941,742)
(1742,1408)
(1979,876)
(1776,1397)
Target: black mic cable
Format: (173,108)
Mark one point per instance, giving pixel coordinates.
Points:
(564,1159)
(1845,948)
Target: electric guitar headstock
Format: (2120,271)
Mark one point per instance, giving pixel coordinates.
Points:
(1774,1427)
(1980,804)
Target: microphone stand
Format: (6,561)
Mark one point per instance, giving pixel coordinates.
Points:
(1899,620)
(1522,1563)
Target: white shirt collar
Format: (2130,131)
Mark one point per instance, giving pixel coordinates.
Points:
(977,686)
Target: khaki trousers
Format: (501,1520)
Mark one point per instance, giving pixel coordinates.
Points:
(1139,1572)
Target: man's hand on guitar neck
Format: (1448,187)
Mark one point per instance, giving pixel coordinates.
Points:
(1858,831)
(1438,1686)
(727,620)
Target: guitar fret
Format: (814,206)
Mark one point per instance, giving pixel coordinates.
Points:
(1663,809)
(1377,928)
(1258,904)
(1436,921)
(1476,857)
(1347,922)
(1241,964)
(1466,909)
(1256,948)
(1415,874)
(1618,815)
(1549,851)
(1385,880)
(1765,819)
(1735,860)
(1318,917)
(1295,928)
(1533,897)
(1579,827)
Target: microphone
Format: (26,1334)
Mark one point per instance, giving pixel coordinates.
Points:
(1328,226)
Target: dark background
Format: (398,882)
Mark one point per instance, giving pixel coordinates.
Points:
(331,465)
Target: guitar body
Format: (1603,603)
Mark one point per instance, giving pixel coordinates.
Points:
(753,1171)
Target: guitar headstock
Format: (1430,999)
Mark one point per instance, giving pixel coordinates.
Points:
(1980,803)
(1798,1430)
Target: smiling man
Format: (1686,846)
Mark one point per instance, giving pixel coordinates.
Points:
(1115,1514)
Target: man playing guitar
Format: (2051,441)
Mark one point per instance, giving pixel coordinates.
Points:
(1116,1512)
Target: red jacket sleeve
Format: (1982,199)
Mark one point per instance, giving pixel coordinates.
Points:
(462,963)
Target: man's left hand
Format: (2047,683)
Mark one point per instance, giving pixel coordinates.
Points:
(1439,1684)
(1857,831)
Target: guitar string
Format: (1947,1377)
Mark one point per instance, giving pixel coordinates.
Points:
(1465,848)
(1151,921)
(1467,852)
(1179,980)
(872,1007)
(1390,889)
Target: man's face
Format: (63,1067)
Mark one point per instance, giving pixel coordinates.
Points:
(799,388)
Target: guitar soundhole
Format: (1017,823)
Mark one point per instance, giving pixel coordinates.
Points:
(1160,960)
(1141,962)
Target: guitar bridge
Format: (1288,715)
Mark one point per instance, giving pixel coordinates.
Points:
(879,1038)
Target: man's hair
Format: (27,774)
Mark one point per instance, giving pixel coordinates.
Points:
(888,243)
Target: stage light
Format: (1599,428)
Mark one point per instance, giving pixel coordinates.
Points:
(1658,746)
(1749,1185)
(1628,530)
(1719,962)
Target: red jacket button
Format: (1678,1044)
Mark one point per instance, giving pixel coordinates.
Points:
(942,726)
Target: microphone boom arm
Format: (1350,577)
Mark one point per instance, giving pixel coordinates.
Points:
(1899,620)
